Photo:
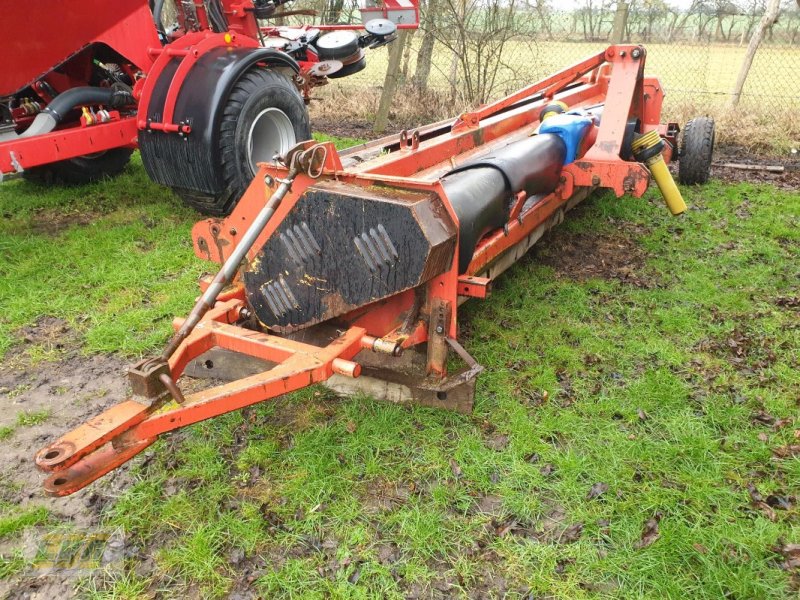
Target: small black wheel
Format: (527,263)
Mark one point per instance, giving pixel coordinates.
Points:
(697,147)
(82,169)
(263,116)
(350,69)
(337,45)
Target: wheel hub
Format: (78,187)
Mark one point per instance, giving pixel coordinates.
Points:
(271,133)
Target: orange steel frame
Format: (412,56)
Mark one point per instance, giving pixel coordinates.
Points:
(417,162)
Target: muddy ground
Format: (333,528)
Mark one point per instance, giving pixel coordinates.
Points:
(70,390)
(789,179)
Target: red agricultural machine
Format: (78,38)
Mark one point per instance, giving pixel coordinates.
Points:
(205,98)
(349,268)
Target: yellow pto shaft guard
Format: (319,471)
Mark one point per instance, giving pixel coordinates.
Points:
(647,149)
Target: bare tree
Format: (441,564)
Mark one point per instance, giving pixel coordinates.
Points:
(704,16)
(544,14)
(477,32)
(430,15)
(753,11)
(680,19)
(407,56)
(724,9)
(592,15)
(767,21)
(333,10)
(652,11)
(791,14)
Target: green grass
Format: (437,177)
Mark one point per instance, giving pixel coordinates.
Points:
(28,419)
(113,260)
(317,497)
(25,419)
(114,585)
(13,524)
(339,142)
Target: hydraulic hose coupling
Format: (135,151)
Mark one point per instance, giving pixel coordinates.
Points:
(647,149)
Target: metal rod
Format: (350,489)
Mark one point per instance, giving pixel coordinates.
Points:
(172,387)
(231,265)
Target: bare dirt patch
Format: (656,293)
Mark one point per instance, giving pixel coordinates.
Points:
(361,130)
(383,496)
(63,394)
(49,333)
(53,223)
(580,256)
(789,179)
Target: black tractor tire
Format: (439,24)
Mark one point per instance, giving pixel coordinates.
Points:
(82,169)
(258,91)
(697,148)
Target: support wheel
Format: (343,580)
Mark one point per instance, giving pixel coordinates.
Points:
(697,147)
(264,115)
(83,169)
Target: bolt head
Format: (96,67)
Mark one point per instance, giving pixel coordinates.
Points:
(439,329)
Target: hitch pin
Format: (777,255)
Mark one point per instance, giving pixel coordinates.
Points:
(381,345)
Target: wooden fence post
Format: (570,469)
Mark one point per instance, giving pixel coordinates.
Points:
(390,81)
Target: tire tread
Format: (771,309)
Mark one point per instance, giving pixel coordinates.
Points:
(697,148)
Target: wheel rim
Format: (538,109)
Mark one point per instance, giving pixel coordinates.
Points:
(270,133)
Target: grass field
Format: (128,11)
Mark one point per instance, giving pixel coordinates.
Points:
(634,434)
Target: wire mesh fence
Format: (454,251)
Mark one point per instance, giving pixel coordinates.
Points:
(462,55)
(700,72)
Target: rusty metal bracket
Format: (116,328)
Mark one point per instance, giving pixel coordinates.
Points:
(437,337)
(475,368)
(145,380)
(457,391)
(471,286)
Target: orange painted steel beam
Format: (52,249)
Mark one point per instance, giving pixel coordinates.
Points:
(116,435)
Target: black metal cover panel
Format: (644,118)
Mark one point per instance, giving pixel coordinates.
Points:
(342,247)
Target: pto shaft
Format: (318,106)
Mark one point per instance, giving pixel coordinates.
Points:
(647,149)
